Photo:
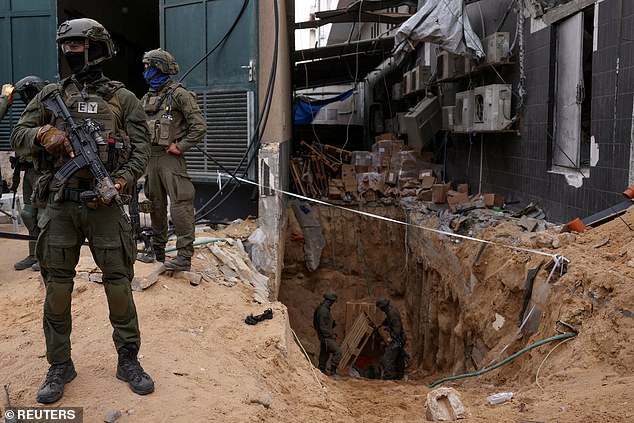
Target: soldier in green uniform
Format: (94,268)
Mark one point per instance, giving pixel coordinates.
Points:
(27,88)
(70,218)
(393,361)
(176,124)
(324,325)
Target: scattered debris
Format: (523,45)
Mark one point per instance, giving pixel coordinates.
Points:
(444,405)
(254,320)
(527,223)
(498,322)
(602,242)
(262,399)
(112,416)
(238,266)
(499,398)
(146,274)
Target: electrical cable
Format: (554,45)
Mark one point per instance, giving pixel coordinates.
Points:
(262,120)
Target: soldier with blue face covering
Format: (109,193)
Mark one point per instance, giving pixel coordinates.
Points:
(176,124)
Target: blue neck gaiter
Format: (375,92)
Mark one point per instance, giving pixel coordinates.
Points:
(155,78)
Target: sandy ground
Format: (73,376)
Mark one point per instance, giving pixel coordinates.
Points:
(210,366)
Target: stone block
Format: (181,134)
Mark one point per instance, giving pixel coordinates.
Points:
(146,274)
(444,405)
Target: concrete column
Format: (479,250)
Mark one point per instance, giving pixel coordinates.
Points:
(275,147)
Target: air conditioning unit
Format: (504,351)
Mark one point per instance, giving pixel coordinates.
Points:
(423,122)
(496,47)
(492,107)
(451,66)
(447,118)
(463,112)
(420,77)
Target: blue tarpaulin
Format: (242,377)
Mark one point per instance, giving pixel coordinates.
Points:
(305,108)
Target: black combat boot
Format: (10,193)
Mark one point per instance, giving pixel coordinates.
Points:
(156,254)
(333,373)
(129,370)
(53,387)
(159,253)
(179,263)
(25,263)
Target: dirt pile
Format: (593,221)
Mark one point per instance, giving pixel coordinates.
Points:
(462,306)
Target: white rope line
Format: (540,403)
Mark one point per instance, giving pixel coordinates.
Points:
(555,257)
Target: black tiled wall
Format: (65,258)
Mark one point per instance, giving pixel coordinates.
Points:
(517,166)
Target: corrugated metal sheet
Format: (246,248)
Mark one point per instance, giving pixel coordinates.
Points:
(228,118)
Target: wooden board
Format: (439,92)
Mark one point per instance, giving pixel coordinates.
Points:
(355,340)
(354,308)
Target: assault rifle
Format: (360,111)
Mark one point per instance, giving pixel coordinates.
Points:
(84,139)
(141,233)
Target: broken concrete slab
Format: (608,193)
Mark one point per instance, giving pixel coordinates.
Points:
(543,241)
(444,405)
(192,277)
(527,223)
(564,239)
(146,274)
(237,261)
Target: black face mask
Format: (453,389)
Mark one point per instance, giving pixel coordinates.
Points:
(75,61)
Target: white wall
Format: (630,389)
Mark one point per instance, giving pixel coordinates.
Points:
(307,38)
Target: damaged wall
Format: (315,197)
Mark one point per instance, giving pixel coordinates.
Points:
(520,166)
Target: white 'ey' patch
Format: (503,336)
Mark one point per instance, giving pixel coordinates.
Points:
(87,107)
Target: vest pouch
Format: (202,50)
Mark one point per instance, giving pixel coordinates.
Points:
(166,132)
(152,125)
(39,197)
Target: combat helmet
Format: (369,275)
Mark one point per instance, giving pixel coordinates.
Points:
(161,60)
(382,303)
(93,33)
(28,87)
(330,296)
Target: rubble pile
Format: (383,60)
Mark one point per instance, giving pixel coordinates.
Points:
(391,171)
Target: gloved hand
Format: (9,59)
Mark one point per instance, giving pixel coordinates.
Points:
(119,183)
(53,140)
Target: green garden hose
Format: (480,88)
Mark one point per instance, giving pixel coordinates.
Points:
(510,358)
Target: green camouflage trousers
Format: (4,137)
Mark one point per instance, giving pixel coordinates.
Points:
(167,177)
(63,228)
(30,213)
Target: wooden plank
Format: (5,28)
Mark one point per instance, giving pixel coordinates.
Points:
(561,12)
(355,340)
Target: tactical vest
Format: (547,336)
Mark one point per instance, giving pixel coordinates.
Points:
(166,123)
(99,103)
